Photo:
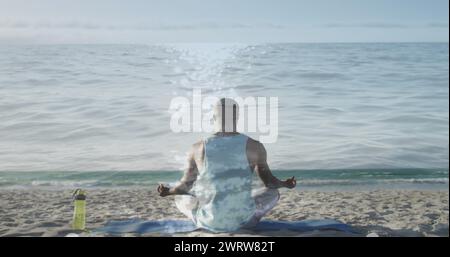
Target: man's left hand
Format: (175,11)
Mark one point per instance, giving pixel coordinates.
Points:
(163,190)
(290,183)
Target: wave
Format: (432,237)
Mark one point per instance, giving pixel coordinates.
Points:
(62,184)
(71,184)
(373,181)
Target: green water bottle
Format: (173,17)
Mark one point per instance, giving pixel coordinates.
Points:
(79,211)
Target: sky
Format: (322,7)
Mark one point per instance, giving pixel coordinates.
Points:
(222,21)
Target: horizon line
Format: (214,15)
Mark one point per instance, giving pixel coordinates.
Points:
(273,170)
(228,43)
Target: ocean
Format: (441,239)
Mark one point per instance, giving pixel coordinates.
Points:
(366,114)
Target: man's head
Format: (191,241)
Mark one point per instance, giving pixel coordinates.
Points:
(226,115)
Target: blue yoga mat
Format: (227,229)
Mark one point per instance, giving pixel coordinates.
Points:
(179,226)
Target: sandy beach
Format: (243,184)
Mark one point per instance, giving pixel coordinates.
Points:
(379,213)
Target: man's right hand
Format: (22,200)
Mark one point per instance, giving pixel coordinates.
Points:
(163,190)
(290,183)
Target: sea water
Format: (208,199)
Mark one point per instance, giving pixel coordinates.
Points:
(368,107)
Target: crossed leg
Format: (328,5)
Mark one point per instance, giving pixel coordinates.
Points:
(265,200)
(187,204)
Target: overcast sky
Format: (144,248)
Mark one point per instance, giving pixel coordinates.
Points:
(175,21)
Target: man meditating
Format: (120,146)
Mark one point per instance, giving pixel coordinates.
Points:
(216,189)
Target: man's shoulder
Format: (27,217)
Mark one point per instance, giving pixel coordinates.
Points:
(253,141)
(254,145)
(198,145)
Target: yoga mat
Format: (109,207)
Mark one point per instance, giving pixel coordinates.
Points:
(178,226)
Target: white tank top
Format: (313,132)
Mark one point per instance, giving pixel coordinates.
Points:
(224,185)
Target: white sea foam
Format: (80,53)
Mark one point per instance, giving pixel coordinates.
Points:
(429,179)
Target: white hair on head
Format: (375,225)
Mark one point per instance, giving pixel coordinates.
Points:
(226,115)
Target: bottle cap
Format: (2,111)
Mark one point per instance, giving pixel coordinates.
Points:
(79,194)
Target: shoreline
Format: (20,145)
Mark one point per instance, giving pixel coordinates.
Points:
(307,180)
(41,212)
(350,189)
